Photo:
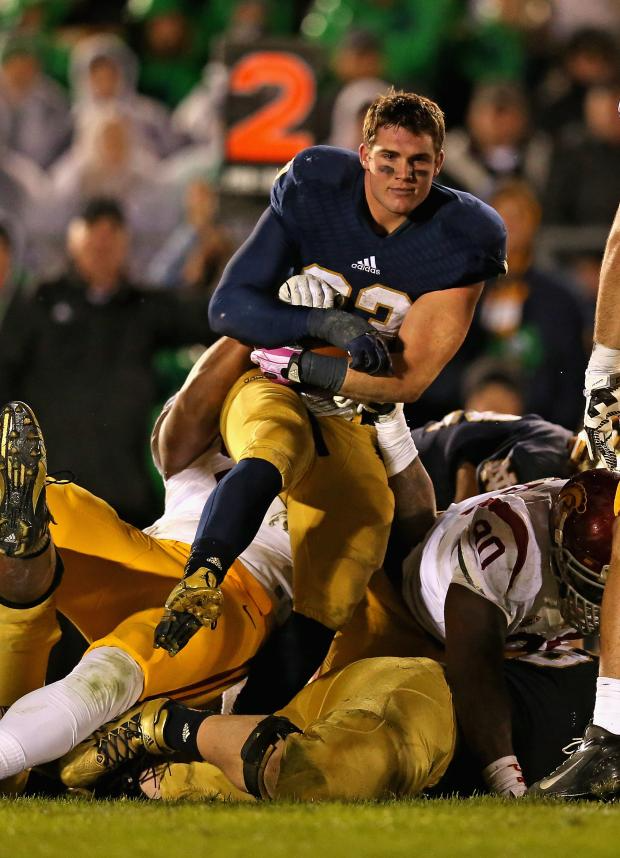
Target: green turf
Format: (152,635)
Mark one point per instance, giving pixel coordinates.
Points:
(30,828)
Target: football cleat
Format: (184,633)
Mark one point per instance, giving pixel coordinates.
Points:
(139,731)
(591,772)
(24,516)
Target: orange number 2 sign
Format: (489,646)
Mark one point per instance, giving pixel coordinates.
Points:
(265,135)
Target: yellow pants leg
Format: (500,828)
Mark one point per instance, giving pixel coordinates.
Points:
(213,660)
(26,639)
(112,569)
(339,504)
(381,625)
(380,727)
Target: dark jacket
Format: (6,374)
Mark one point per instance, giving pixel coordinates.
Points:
(86,369)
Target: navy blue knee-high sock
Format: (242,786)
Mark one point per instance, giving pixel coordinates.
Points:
(233,514)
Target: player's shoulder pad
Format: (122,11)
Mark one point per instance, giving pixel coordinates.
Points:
(467,215)
(327,165)
(497,552)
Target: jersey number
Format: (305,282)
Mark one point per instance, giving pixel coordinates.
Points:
(265,136)
(385,307)
(491,546)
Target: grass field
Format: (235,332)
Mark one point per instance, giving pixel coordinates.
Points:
(30,828)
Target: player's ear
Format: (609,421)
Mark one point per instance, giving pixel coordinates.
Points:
(363,153)
(439,162)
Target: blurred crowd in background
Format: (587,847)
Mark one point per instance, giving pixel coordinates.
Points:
(114,231)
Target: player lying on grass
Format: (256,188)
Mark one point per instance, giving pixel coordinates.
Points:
(346,220)
(378,728)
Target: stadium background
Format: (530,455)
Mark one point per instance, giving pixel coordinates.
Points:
(181,111)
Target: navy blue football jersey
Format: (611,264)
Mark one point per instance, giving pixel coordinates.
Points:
(451,239)
(531,448)
(318,222)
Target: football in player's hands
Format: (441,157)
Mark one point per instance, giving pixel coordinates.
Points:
(306,290)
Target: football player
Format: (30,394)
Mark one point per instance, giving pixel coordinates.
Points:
(470,452)
(409,257)
(490,577)
(60,547)
(516,615)
(378,728)
(592,771)
(115,568)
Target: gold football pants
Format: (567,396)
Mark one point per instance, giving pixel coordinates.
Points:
(379,728)
(334,486)
(115,583)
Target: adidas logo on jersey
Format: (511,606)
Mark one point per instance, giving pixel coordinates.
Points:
(366,264)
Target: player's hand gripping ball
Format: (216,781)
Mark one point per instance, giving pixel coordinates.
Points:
(195,601)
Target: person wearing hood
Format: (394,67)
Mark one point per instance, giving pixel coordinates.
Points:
(104,73)
(39,123)
(109,158)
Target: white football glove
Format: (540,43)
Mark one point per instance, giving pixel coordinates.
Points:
(602,411)
(306,290)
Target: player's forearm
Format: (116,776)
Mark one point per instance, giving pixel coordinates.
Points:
(415,508)
(407,383)
(193,421)
(475,640)
(245,305)
(607,322)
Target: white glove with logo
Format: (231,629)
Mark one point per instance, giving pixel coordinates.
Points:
(306,290)
(602,411)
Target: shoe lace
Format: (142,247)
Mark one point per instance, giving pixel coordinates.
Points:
(572,746)
(116,746)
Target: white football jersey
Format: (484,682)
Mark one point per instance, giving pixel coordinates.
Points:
(268,558)
(497,545)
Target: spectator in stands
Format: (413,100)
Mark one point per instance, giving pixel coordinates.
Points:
(25,192)
(497,143)
(172,48)
(109,158)
(411,32)
(590,57)
(83,355)
(37,110)
(584,181)
(358,65)
(534,317)
(194,256)
(104,73)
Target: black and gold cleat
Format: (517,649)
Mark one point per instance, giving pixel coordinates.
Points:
(24,517)
(139,731)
